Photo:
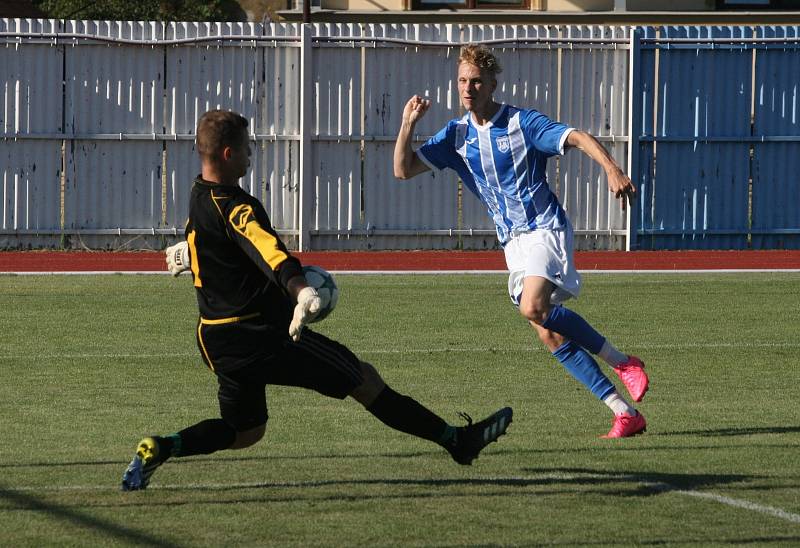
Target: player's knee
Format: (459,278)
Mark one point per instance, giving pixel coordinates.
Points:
(249,437)
(370,387)
(535,309)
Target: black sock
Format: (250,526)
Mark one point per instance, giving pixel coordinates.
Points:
(407,415)
(203,438)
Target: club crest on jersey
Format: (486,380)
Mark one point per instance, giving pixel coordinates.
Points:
(240,216)
(502,143)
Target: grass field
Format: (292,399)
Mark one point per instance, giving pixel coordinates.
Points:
(91,364)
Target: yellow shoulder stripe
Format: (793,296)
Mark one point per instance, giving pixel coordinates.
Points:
(195,260)
(244,222)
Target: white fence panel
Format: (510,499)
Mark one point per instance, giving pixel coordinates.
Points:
(257,78)
(207,74)
(134,91)
(336,73)
(117,103)
(400,213)
(30,187)
(30,90)
(113,192)
(183,165)
(279,124)
(113,87)
(280,112)
(113,93)
(594,97)
(407,214)
(281,183)
(31,123)
(336,169)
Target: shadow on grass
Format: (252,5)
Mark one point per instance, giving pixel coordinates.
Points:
(26,502)
(615,446)
(648,483)
(644,483)
(228,456)
(541,482)
(743,431)
(587,479)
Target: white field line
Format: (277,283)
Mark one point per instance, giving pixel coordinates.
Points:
(396,272)
(666,488)
(746,504)
(455,349)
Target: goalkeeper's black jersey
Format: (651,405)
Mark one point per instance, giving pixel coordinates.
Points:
(239,264)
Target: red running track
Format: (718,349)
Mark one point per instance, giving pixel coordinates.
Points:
(75,261)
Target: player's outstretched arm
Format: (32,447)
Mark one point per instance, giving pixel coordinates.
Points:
(618,183)
(406,162)
(178,258)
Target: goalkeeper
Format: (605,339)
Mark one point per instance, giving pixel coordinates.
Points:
(254,305)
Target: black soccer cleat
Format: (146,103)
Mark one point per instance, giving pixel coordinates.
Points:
(470,440)
(144,463)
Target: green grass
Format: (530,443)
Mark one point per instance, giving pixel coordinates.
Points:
(91,364)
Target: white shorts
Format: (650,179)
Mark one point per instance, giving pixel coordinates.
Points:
(546,254)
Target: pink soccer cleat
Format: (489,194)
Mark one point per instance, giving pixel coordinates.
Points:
(625,426)
(633,377)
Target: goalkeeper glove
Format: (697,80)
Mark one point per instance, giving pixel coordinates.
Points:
(308,306)
(178,258)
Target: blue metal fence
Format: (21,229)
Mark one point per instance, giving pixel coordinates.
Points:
(717,138)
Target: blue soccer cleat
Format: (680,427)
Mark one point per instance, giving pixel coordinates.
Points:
(471,439)
(144,463)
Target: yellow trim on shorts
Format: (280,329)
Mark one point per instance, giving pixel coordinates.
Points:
(203,346)
(234,319)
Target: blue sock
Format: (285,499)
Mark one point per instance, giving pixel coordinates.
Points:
(582,366)
(570,324)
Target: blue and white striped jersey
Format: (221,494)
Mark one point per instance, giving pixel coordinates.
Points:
(503,163)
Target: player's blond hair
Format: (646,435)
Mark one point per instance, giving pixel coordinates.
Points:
(218,129)
(482,57)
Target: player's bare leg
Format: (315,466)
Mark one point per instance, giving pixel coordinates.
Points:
(536,306)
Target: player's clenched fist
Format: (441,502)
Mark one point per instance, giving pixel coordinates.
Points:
(178,258)
(415,108)
(308,306)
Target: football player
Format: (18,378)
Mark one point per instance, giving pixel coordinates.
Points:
(254,306)
(500,152)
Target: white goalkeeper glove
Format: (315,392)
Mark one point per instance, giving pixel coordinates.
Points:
(178,258)
(308,306)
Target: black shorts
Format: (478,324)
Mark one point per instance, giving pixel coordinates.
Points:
(314,362)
